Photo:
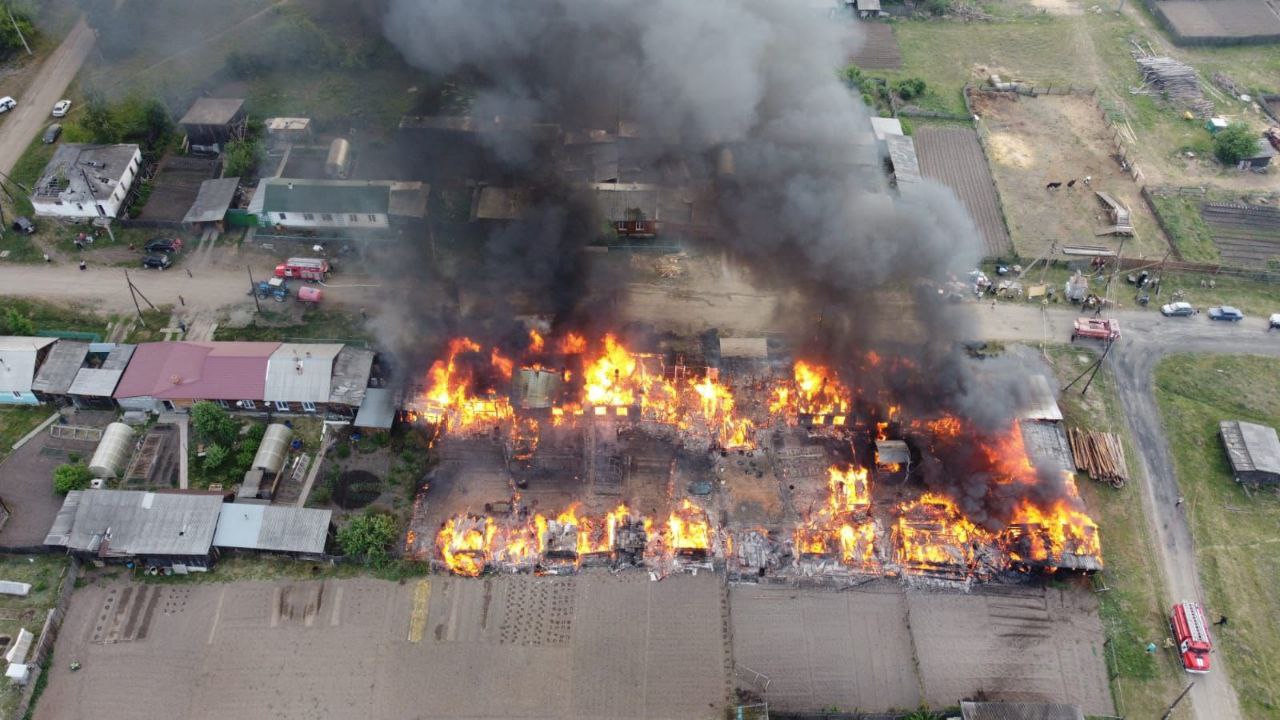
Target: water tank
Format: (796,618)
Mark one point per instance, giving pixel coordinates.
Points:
(274,447)
(339,162)
(113,451)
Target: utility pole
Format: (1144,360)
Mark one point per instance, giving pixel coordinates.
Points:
(134,296)
(1098,366)
(253,290)
(1177,700)
(15,27)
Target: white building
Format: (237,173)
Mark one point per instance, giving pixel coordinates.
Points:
(351,204)
(83,182)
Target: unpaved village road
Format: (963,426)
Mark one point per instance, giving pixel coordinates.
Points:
(47,88)
(1147,338)
(104,288)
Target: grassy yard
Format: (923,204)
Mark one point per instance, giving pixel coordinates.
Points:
(315,325)
(1132,613)
(1235,531)
(44,573)
(50,316)
(17,421)
(1181,215)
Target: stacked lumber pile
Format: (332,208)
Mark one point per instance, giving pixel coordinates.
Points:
(1177,81)
(1100,454)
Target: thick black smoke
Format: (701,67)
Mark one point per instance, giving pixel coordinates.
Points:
(739,103)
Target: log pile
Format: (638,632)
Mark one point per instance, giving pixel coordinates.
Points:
(1178,82)
(1100,454)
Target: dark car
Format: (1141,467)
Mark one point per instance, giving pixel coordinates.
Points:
(24,225)
(163,245)
(1225,312)
(51,133)
(159,262)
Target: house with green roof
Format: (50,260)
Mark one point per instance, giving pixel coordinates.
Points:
(337,204)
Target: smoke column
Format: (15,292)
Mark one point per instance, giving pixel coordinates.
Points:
(807,209)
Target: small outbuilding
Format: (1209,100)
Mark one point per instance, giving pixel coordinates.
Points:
(273,529)
(20,359)
(212,122)
(212,202)
(1260,158)
(1253,450)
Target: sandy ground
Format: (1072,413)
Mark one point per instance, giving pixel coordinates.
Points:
(1035,141)
(880,646)
(589,646)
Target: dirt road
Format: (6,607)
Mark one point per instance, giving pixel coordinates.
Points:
(46,88)
(105,290)
(1148,337)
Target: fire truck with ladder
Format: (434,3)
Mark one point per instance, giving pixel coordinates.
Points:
(1191,633)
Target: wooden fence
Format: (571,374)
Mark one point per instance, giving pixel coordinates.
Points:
(43,649)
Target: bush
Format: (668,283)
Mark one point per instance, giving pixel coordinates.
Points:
(368,536)
(10,41)
(343,452)
(213,424)
(70,477)
(937,7)
(1235,143)
(908,88)
(242,158)
(215,455)
(13,323)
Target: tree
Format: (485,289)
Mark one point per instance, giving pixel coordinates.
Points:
(10,40)
(368,536)
(242,158)
(14,323)
(908,88)
(97,120)
(214,456)
(68,477)
(1235,143)
(213,424)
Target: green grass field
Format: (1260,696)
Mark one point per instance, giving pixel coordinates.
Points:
(17,421)
(272,324)
(1237,532)
(49,316)
(1132,616)
(1181,215)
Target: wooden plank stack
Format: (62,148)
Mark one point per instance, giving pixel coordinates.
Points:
(1177,81)
(1100,454)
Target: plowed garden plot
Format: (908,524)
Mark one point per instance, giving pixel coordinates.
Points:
(878,49)
(1192,20)
(952,156)
(1246,235)
(1032,142)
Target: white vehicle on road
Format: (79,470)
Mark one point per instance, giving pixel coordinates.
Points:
(61,108)
(7,103)
(1274,322)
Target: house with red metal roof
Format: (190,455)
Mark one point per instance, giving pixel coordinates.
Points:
(173,375)
(329,379)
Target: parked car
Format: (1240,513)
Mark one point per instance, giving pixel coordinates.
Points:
(1178,309)
(61,108)
(163,245)
(1275,322)
(1225,312)
(157,261)
(51,134)
(7,103)
(24,225)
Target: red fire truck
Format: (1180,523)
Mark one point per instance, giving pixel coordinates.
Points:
(1099,328)
(312,269)
(1191,633)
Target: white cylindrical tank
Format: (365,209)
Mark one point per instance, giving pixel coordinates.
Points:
(113,451)
(274,448)
(338,163)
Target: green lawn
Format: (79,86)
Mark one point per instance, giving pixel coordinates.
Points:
(44,573)
(1181,215)
(1132,613)
(17,421)
(49,316)
(1236,532)
(316,324)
